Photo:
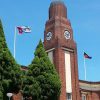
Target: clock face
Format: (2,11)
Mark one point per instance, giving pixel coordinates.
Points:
(48,35)
(67,34)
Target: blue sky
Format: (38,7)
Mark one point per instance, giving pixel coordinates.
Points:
(84,16)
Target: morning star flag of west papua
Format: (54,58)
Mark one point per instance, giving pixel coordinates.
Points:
(23,29)
(87,56)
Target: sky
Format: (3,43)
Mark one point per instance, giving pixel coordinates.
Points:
(84,16)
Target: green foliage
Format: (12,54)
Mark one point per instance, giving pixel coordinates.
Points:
(1,91)
(1,95)
(43,82)
(8,66)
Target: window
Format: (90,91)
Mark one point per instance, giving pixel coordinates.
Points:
(69,96)
(83,96)
(50,55)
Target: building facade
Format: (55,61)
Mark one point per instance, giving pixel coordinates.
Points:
(89,90)
(62,51)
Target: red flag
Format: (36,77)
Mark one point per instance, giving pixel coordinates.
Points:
(87,56)
(23,29)
(20,30)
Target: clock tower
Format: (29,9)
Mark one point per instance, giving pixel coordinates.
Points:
(62,50)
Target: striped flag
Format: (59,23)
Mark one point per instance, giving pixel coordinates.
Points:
(87,56)
(23,29)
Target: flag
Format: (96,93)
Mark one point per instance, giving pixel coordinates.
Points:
(23,29)
(87,56)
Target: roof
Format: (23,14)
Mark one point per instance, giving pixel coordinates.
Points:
(24,68)
(90,86)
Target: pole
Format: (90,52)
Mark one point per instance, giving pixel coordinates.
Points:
(15,43)
(84,68)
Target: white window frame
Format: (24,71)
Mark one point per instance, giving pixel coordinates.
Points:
(83,96)
(70,95)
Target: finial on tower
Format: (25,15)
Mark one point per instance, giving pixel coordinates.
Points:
(57,1)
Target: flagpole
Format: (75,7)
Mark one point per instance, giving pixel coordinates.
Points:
(84,68)
(15,43)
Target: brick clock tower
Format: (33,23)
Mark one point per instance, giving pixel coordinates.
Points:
(62,50)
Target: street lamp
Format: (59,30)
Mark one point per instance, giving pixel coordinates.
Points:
(9,95)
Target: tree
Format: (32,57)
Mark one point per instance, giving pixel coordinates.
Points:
(8,67)
(1,95)
(43,82)
(1,91)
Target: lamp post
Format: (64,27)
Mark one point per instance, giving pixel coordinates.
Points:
(9,95)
